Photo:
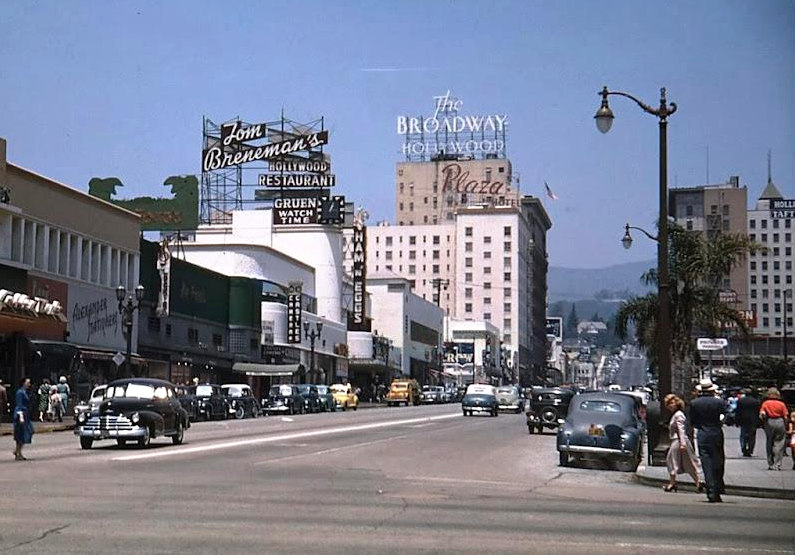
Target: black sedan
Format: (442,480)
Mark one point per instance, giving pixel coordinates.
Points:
(311,398)
(240,401)
(547,408)
(284,399)
(210,401)
(602,425)
(135,409)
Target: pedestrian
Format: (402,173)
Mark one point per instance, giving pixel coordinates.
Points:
(63,391)
(681,458)
(3,400)
(55,409)
(23,427)
(774,414)
(706,414)
(791,436)
(747,418)
(44,400)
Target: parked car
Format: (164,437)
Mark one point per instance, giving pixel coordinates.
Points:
(432,394)
(210,401)
(310,396)
(240,400)
(326,399)
(344,396)
(460,391)
(480,399)
(187,399)
(509,397)
(135,409)
(403,391)
(92,405)
(285,399)
(547,408)
(602,425)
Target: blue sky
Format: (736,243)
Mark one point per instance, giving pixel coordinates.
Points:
(119,89)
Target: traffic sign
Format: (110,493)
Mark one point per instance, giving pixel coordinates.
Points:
(118,358)
(708,344)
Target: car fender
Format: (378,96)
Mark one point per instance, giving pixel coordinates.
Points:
(153,421)
(182,414)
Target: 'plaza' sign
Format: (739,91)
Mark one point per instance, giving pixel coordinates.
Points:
(782,208)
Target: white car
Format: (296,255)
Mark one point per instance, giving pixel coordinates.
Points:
(92,405)
(510,398)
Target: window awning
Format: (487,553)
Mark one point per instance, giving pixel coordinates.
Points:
(254,369)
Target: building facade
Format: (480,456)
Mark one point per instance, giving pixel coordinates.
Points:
(58,244)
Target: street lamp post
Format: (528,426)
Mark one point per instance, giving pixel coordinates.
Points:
(312,336)
(787,294)
(127,310)
(604,120)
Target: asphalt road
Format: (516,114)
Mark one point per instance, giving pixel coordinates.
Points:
(632,371)
(402,480)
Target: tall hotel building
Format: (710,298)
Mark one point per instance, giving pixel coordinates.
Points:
(480,254)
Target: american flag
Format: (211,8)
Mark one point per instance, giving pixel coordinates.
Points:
(550,194)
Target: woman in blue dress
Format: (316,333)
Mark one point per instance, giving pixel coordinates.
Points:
(23,427)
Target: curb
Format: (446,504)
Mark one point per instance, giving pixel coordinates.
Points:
(64,428)
(742,491)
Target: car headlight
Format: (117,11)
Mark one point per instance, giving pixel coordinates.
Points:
(81,418)
(135,418)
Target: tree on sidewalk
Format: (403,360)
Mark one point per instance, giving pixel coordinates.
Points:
(764,371)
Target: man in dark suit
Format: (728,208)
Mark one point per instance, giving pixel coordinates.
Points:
(706,414)
(747,417)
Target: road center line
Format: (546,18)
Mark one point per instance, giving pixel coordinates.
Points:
(176,451)
(331,450)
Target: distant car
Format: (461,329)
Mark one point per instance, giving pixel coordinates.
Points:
(480,399)
(210,401)
(326,399)
(602,425)
(547,408)
(344,396)
(240,400)
(403,391)
(187,399)
(285,399)
(509,397)
(310,396)
(432,394)
(92,405)
(135,409)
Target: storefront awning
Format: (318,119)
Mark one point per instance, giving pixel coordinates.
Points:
(253,369)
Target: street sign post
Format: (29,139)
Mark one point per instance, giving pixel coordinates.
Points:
(117,359)
(710,344)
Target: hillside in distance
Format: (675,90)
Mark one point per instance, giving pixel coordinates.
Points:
(608,283)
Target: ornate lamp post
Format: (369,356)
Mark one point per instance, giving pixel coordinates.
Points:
(312,336)
(127,310)
(604,120)
(626,240)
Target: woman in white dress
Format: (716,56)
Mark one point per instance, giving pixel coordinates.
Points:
(681,458)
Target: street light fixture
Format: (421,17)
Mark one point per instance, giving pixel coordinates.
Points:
(604,120)
(627,239)
(127,310)
(312,336)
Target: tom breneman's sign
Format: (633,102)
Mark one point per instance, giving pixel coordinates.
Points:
(232,151)
(782,208)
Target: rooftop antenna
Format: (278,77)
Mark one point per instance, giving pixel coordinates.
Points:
(708,165)
(769,171)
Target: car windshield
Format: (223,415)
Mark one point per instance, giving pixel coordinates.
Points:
(600,406)
(477,397)
(204,390)
(399,386)
(131,390)
(98,392)
(322,389)
(303,389)
(281,391)
(233,391)
(339,389)
(506,390)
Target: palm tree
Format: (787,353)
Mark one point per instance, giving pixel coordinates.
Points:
(696,267)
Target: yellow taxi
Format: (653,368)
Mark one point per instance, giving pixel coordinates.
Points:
(403,391)
(344,396)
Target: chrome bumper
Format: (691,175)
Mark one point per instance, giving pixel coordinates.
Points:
(592,450)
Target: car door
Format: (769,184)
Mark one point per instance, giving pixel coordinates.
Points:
(217,402)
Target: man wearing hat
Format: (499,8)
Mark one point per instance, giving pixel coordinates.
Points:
(706,415)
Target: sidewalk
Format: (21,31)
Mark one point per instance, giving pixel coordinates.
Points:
(744,476)
(68,423)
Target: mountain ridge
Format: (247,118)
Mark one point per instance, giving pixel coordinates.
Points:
(610,282)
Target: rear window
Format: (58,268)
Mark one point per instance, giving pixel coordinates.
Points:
(600,406)
(506,390)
